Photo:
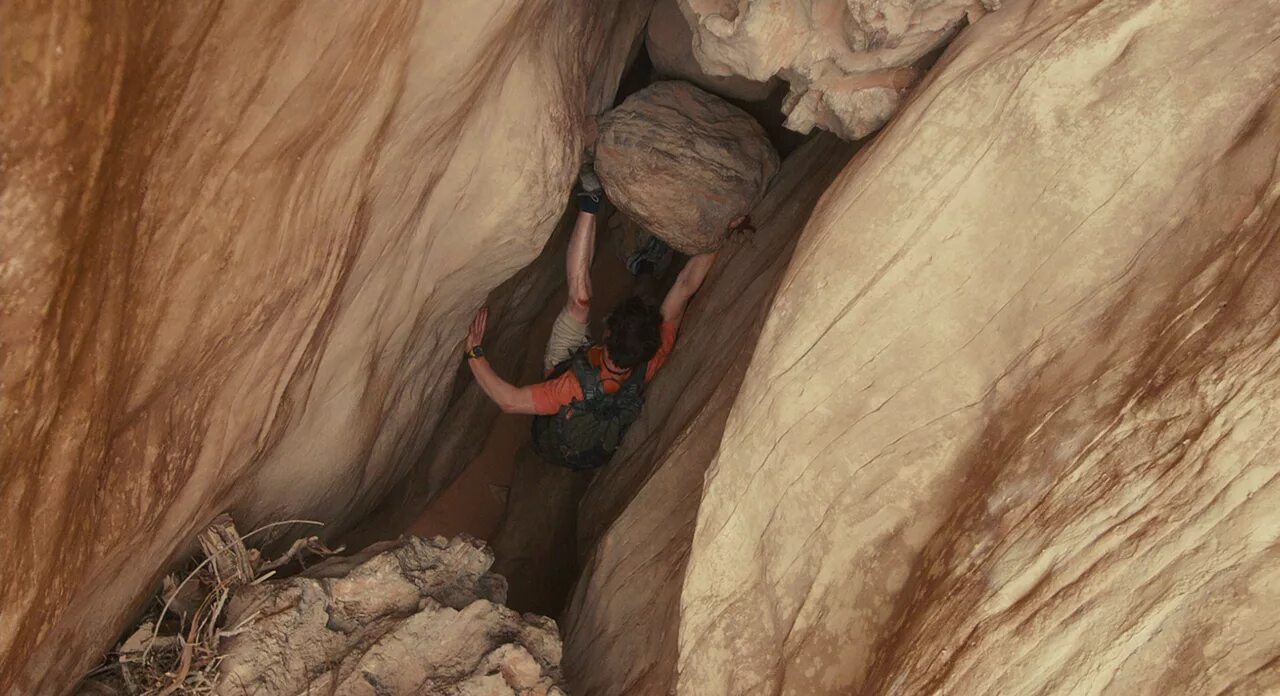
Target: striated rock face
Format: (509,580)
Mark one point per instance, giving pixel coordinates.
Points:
(848,62)
(414,616)
(669,42)
(240,247)
(683,163)
(638,515)
(1012,422)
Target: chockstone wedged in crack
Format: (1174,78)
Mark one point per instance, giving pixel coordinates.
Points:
(410,616)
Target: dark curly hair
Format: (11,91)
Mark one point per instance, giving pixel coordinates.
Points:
(634,332)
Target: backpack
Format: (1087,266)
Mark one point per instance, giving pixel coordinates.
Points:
(584,434)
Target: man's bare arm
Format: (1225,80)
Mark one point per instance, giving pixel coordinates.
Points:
(582,248)
(687,283)
(508,397)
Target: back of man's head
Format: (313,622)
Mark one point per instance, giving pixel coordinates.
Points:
(634,333)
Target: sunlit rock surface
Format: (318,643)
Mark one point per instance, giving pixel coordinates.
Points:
(240,246)
(848,62)
(1012,423)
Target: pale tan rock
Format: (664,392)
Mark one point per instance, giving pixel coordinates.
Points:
(849,62)
(350,626)
(668,39)
(241,245)
(1012,422)
(518,668)
(683,163)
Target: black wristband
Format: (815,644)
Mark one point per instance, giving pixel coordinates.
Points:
(477,352)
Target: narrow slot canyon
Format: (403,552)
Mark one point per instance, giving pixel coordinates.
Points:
(979,394)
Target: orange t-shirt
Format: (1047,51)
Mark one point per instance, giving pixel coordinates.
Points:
(550,395)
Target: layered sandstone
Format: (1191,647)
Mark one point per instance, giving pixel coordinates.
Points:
(1011,424)
(1001,418)
(241,245)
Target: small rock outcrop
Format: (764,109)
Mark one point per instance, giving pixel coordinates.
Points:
(848,62)
(683,163)
(412,616)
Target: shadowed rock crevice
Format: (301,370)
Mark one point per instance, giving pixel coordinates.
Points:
(636,521)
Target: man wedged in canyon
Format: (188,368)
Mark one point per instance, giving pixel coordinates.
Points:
(593,391)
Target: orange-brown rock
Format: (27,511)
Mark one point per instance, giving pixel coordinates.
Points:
(683,163)
(240,245)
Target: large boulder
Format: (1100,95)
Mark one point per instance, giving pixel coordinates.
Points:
(683,163)
(1011,424)
(234,276)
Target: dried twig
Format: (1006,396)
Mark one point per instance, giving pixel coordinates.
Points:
(150,664)
(184,664)
(206,562)
(311,544)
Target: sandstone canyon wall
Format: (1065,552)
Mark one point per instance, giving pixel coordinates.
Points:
(241,242)
(410,616)
(1011,425)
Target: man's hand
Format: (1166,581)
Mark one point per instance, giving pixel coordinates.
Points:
(508,397)
(475,335)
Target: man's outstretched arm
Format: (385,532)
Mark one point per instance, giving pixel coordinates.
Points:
(687,283)
(508,397)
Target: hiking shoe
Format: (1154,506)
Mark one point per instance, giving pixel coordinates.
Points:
(590,191)
(649,256)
